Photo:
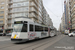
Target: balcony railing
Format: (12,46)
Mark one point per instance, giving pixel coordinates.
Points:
(10,17)
(9,22)
(9,27)
(10,2)
(33,15)
(10,6)
(33,4)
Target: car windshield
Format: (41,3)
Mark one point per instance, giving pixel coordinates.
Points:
(17,27)
(73,32)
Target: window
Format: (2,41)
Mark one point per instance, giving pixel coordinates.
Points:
(1,12)
(19,0)
(24,29)
(20,15)
(2,7)
(38,28)
(46,29)
(20,4)
(20,9)
(1,16)
(31,27)
(17,27)
(1,21)
(73,32)
(2,2)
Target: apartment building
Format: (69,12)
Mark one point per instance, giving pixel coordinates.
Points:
(63,25)
(12,9)
(24,9)
(71,14)
(69,17)
(66,19)
(49,21)
(46,18)
(2,15)
(72,9)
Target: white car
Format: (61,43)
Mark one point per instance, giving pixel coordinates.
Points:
(9,34)
(71,34)
(1,34)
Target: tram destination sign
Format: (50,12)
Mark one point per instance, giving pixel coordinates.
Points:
(18,22)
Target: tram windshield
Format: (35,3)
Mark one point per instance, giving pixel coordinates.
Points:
(17,27)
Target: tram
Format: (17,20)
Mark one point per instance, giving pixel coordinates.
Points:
(26,29)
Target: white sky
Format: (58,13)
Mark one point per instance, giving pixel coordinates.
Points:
(55,9)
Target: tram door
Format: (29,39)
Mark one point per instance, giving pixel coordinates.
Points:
(49,31)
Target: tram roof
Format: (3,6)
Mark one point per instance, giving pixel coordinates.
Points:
(23,19)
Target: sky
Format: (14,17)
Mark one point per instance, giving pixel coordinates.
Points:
(55,9)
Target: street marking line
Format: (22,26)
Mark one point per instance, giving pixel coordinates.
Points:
(4,40)
(40,45)
(49,44)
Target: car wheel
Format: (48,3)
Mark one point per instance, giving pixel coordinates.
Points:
(71,36)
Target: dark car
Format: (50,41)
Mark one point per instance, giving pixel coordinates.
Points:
(4,34)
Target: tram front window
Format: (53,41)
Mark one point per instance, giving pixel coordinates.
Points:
(17,27)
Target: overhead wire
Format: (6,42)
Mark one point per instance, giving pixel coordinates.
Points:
(51,11)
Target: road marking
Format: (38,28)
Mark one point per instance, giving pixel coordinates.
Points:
(49,44)
(4,39)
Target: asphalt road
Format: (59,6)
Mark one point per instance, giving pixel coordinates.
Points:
(60,42)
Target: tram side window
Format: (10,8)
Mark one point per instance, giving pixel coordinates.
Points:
(31,27)
(46,29)
(24,29)
(38,28)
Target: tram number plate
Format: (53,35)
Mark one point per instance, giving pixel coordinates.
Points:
(15,36)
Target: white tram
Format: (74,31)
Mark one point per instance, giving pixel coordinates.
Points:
(25,29)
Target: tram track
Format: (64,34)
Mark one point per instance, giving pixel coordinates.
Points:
(11,45)
(29,44)
(45,44)
(37,45)
(33,44)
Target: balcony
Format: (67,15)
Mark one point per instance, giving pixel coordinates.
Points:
(33,10)
(32,15)
(10,12)
(33,4)
(10,7)
(9,22)
(9,17)
(10,2)
(9,27)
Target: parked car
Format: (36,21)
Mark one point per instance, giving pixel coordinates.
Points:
(1,34)
(71,34)
(9,34)
(66,32)
(4,34)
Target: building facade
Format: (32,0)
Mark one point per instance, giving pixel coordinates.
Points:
(3,6)
(71,14)
(72,11)
(66,17)
(12,9)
